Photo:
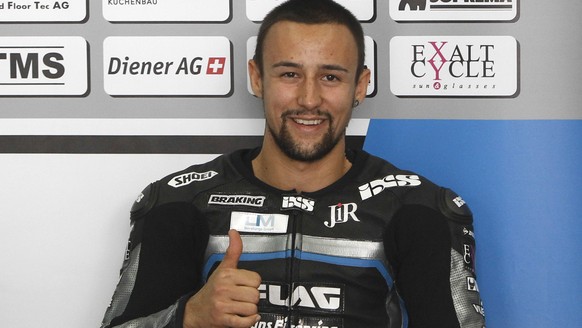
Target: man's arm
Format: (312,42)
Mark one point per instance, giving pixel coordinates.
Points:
(162,265)
(230,297)
(161,284)
(431,250)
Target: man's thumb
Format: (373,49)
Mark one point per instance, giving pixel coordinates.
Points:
(233,251)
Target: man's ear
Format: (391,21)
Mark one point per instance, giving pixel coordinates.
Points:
(255,77)
(362,84)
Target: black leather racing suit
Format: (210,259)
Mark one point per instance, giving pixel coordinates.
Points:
(380,247)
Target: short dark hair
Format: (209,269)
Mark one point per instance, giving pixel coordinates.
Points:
(312,12)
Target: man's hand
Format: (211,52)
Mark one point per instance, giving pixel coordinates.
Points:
(231,295)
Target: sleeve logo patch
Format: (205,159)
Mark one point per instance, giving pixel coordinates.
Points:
(188,178)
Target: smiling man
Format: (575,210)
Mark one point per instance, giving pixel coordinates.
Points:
(300,232)
(309,77)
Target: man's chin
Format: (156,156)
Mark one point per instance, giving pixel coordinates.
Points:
(302,150)
(310,153)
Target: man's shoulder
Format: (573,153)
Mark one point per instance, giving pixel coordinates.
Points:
(410,187)
(378,169)
(184,185)
(197,174)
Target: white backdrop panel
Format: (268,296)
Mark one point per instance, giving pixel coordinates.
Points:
(64,225)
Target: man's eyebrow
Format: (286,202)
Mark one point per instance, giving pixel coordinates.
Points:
(329,67)
(286,64)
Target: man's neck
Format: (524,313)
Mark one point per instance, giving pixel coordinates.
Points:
(276,169)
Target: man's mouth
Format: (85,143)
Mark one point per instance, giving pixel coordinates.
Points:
(307,122)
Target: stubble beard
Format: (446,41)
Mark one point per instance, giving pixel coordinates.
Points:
(295,151)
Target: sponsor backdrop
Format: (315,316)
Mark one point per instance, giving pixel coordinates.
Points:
(98,98)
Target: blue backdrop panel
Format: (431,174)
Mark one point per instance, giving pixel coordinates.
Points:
(523,181)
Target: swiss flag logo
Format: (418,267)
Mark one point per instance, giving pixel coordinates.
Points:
(216,65)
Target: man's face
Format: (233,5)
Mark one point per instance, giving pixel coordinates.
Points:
(308,87)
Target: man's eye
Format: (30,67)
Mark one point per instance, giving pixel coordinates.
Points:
(289,74)
(330,77)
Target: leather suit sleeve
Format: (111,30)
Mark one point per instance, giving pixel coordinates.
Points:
(160,269)
(431,249)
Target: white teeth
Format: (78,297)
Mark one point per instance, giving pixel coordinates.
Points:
(308,122)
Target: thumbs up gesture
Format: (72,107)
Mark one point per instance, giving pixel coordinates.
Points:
(230,296)
(234,250)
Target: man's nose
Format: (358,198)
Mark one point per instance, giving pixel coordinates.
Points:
(310,95)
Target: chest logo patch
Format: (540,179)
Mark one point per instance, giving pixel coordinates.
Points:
(259,222)
(342,213)
(237,200)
